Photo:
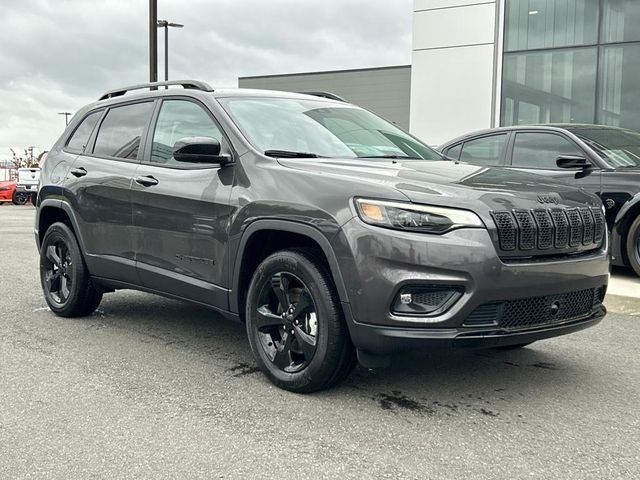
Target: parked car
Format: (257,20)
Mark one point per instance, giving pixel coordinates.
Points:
(7,191)
(603,160)
(27,187)
(328,231)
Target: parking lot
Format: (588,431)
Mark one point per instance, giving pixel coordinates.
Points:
(154,387)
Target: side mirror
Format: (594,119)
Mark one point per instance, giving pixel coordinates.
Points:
(573,161)
(199,150)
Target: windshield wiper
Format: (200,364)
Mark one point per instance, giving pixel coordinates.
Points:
(290,154)
(394,157)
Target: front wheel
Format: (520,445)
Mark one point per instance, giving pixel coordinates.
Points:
(20,198)
(65,280)
(633,246)
(295,324)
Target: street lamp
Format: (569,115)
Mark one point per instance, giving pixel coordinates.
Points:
(66,117)
(166,24)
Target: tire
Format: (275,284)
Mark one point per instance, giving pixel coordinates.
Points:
(313,352)
(633,246)
(20,198)
(64,277)
(513,347)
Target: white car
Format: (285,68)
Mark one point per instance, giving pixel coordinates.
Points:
(28,181)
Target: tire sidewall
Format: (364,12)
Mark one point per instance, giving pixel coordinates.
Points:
(310,275)
(632,245)
(57,232)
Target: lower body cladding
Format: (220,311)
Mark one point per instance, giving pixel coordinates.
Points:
(420,291)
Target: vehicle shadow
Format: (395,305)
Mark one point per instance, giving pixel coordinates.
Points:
(485,382)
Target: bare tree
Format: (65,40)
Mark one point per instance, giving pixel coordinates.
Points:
(26,160)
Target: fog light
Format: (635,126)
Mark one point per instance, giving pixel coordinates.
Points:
(426,300)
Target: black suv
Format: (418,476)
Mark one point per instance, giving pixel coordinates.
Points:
(330,232)
(603,160)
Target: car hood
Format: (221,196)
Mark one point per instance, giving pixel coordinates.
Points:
(449,183)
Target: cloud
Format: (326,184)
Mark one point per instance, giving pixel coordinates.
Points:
(59,55)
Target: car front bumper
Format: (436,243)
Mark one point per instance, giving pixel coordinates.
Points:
(376,264)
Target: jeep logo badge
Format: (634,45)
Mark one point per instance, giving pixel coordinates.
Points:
(549,198)
(555,308)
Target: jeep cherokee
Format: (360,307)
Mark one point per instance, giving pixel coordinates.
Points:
(332,234)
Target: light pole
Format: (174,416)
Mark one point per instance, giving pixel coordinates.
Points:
(66,117)
(166,24)
(153,40)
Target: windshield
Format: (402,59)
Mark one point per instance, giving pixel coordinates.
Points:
(618,147)
(319,128)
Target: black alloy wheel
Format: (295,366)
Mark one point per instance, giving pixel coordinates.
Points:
(58,272)
(20,198)
(287,322)
(65,279)
(295,323)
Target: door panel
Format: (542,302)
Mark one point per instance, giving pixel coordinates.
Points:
(181,216)
(101,191)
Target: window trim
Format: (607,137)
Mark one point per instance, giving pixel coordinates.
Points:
(502,161)
(143,136)
(66,148)
(146,156)
(512,145)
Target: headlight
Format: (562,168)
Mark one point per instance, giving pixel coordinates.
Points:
(414,218)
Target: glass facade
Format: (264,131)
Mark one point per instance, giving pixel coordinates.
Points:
(571,61)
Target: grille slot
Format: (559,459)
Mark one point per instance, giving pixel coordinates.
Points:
(527,229)
(507,230)
(543,231)
(599,225)
(575,222)
(562,228)
(537,311)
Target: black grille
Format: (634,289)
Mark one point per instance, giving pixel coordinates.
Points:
(537,311)
(545,230)
(507,230)
(431,299)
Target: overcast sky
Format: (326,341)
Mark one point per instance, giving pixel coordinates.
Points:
(58,55)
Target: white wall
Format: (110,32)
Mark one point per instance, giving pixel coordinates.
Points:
(453,69)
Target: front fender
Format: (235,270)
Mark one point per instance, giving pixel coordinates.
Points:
(619,231)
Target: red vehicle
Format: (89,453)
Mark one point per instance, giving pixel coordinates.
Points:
(8,193)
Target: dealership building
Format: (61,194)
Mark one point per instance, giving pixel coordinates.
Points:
(479,64)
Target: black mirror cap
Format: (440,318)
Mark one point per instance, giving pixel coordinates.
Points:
(199,150)
(573,161)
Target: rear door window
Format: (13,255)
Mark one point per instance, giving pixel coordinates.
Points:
(80,138)
(454,152)
(484,150)
(121,131)
(541,150)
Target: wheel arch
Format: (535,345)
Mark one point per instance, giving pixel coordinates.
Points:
(294,234)
(51,211)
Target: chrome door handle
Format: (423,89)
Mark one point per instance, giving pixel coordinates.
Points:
(146,181)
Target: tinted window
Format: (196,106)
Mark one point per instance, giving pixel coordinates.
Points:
(485,150)
(454,152)
(80,137)
(121,131)
(541,150)
(179,119)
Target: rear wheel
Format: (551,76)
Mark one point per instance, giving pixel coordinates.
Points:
(20,198)
(633,246)
(295,323)
(65,279)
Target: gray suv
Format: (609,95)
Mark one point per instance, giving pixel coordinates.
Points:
(332,234)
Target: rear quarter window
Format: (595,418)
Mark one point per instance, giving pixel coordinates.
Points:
(80,138)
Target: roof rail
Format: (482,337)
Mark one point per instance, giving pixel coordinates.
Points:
(329,95)
(187,84)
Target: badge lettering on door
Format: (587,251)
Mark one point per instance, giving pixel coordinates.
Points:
(191,259)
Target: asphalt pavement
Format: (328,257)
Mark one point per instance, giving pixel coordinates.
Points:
(154,388)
